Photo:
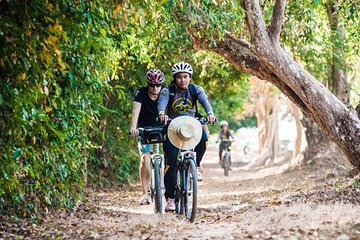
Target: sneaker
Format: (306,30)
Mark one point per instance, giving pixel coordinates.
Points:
(170,205)
(199,175)
(144,200)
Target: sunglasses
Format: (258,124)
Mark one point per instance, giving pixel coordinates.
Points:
(155,85)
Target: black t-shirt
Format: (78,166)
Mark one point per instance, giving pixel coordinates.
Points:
(149,112)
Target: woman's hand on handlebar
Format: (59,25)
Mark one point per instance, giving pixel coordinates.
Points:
(134,132)
(163,118)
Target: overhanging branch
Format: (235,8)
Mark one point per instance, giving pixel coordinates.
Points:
(241,55)
(277,20)
(255,21)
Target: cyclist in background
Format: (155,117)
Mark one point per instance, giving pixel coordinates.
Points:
(145,114)
(224,134)
(179,99)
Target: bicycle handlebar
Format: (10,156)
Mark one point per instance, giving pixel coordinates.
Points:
(202,120)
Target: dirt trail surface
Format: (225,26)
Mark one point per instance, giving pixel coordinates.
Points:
(316,202)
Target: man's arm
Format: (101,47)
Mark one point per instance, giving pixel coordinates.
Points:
(134,118)
(163,101)
(231,135)
(204,101)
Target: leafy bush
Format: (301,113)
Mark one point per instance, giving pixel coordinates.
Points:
(55,69)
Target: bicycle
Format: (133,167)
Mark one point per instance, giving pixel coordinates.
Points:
(226,156)
(186,188)
(154,136)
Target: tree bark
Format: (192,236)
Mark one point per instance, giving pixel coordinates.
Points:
(266,59)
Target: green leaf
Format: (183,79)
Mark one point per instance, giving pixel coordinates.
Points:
(17,153)
(4,172)
(103,32)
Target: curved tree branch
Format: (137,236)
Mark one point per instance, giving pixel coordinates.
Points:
(277,20)
(241,55)
(255,21)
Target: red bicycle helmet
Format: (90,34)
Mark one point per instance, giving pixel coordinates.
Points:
(155,76)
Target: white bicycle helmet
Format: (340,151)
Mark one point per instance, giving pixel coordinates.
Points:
(223,122)
(181,67)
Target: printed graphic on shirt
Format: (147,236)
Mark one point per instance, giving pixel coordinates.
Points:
(181,105)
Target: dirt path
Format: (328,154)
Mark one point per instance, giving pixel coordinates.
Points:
(312,203)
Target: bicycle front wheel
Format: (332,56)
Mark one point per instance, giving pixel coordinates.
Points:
(158,192)
(190,190)
(226,164)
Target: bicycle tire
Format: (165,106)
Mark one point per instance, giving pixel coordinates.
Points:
(178,194)
(226,164)
(190,190)
(158,192)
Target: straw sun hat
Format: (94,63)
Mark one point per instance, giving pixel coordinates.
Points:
(185,132)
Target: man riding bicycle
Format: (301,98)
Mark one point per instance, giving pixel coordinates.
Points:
(179,99)
(145,114)
(224,136)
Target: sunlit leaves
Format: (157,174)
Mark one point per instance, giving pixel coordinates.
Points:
(55,68)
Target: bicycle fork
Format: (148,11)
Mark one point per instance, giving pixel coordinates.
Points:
(160,161)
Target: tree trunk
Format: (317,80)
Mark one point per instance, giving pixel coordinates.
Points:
(260,95)
(266,59)
(339,72)
(273,139)
(297,117)
(315,138)
(271,148)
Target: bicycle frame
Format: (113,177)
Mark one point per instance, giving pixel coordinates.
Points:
(226,156)
(227,148)
(186,158)
(157,158)
(153,136)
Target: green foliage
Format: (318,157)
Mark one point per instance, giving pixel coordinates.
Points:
(356,183)
(55,69)
(306,32)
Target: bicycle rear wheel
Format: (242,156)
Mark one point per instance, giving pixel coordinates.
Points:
(158,192)
(190,190)
(226,163)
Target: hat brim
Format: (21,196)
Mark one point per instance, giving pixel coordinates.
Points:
(176,140)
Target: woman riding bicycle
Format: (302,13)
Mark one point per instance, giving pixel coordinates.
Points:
(144,114)
(225,137)
(179,99)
